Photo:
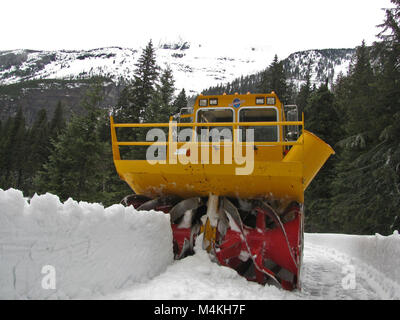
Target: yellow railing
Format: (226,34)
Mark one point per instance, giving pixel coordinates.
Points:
(170,125)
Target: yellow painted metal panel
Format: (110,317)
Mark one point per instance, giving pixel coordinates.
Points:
(273,179)
(273,174)
(313,153)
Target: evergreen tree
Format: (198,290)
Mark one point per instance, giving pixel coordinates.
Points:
(39,147)
(161,107)
(113,188)
(134,101)
(3,151)
(264,85)
(321,119)
(321,115)
(356,98)
(366,189)
(146,74)
(304,94)
(343,95)
(387,52)
(180,102)
(360,110)
(274,79)
(166,87)
(136,96)
(126,109)
(13,155)
(76,165)
(390,33)
(57,123)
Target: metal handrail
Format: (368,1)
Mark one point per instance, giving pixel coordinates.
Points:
(208,124)
(171,124)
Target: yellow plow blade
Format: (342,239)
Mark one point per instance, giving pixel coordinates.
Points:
(285,179)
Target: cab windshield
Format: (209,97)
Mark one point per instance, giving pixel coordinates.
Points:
(214,115)
(261,133)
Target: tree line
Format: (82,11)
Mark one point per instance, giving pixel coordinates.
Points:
(74,158)
(358,189)
(23,150)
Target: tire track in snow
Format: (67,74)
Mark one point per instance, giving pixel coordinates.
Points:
(323,273)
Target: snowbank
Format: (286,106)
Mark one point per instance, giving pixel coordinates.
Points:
(54,250)
(379,252)
(51,250)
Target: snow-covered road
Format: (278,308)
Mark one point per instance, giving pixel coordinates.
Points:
(327,274)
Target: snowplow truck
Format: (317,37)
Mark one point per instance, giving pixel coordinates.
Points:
(231,172)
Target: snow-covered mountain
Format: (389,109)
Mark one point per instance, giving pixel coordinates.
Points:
(195,66)
(64,76)
(320,64)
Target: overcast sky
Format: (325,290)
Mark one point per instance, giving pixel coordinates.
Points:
(284,26)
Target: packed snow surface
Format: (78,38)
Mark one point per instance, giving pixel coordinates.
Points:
(121,253)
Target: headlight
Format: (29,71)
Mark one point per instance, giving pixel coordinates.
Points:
(270,100)
(260,100)
(203,102)
(213,102)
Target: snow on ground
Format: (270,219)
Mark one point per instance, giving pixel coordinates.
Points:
(376,259)
(87,249)
(198,278)
(121,253)
(329,273)
(324,275)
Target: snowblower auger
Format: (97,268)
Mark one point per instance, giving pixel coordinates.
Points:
(233,168)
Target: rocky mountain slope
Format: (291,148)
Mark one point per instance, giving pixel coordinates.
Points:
(195,66)
(321,64)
